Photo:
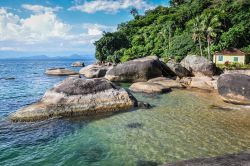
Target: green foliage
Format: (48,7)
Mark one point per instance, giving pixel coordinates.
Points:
(186,27)
(109,44)
(233,66)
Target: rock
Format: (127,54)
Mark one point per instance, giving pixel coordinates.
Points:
(77,64)
(143,105)
(203,82)
(240,159)
(77,96)
(234,88)
(95,71)
(178,69)
(198,65)
(148,87)
(186,80)
(60,72)
(137,70)
(166,82)
(246,72)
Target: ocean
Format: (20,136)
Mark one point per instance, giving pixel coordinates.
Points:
(181,125)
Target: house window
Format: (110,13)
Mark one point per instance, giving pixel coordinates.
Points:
(236,59)
(220,57)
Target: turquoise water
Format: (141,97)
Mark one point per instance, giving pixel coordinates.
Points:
(181,125)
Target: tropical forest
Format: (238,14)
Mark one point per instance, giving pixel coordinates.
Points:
(186,27)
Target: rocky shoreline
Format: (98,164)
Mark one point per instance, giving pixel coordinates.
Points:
(95,93)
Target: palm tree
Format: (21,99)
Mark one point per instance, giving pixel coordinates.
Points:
(170,25)
(198,32)
(211,25)
(134,12)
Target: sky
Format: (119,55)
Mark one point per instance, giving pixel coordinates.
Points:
(61,27)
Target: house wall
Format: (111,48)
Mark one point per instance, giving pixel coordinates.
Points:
(229,58)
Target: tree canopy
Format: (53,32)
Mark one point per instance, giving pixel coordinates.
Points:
(186,27)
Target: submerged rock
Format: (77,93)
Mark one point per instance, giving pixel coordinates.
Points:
(60,72)
(143,105)
(134,125)
(240,159)
(199,65)
(166,82)
(95,71)
(146,163)
(77,64)
(136,70)
(91,152)
(234,88)
(77,96)
(148,87)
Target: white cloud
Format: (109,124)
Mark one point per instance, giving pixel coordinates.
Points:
(40,9)
(97,29)
(112,6)
(40,26)
(9,49)
(44,31)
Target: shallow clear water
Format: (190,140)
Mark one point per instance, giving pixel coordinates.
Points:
(181,125)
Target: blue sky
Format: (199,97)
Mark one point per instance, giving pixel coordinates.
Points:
(61,27)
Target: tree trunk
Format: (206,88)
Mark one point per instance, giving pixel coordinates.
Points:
(200,46)
(169,37)
(208,47)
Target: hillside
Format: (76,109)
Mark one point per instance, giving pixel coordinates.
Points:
(186,27)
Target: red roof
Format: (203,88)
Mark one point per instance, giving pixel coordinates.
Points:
(231,51)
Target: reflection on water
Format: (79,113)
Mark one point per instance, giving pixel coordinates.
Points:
(182,125)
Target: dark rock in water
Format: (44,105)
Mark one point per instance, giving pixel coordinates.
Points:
(91,152)
(221,108)
(199,65)
(146,163)
(240,159)
(8,78)
(143,105)
(136,70)
(77,96)
(234,88)
(177,69)
(134,125)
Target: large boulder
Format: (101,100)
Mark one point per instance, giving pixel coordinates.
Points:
(177,69)
(148,87)
(77,64)
(95,71)
(138,70)
(77,96)
(234,88)
(199,65)
(166,82)
(60,72)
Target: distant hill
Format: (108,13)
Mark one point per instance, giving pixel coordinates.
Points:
(44,57)
(34,57)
